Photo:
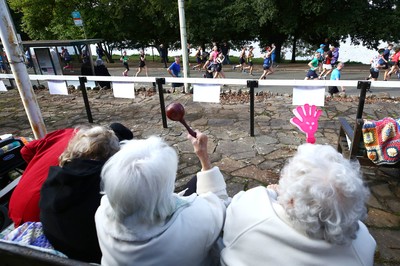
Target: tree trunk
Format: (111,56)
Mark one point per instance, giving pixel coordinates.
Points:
(166,52)
(109,57)
(78,52)
(108,51)
(278,50)
(294,49)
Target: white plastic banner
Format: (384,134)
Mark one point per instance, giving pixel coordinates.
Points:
(311,95)
(206,93)
(124,90)
(57,87)
(2,86)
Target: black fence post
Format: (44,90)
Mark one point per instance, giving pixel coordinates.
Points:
(160,82)
(252,84)
(82,81)
(364,86)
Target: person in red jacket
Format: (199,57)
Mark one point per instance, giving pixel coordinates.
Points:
(40,155)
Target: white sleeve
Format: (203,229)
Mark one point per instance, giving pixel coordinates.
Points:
(212,181)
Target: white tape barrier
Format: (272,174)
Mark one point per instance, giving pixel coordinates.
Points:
(267,82)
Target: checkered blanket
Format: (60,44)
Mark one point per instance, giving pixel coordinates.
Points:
(382,140)
(30,234)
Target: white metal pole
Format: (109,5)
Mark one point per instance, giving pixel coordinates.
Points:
(15,56)
(182,23)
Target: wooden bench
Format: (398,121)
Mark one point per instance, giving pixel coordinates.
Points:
(350,142)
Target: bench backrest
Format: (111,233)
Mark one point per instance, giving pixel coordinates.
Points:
(13,254)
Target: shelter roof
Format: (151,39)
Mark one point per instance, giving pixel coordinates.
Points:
(42,43)
(60,42)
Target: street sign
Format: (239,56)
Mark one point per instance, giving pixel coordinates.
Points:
(76,16)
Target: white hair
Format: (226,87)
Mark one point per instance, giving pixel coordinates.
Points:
(323,193)
(139,180)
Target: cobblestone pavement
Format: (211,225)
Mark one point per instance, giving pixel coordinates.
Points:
(245,161)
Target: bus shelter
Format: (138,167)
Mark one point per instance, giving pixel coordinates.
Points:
(45,55)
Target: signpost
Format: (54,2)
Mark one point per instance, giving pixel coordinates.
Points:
(76,16)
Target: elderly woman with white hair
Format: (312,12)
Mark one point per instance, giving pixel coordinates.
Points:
(141,221)
(71,195)
(311,218)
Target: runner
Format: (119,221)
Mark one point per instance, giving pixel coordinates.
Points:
(124,59)
(313,64)
(142,64)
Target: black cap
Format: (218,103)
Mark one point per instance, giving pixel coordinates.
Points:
(122,132)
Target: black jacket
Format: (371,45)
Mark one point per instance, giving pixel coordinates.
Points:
(101,70)
(68,201)
(86,69)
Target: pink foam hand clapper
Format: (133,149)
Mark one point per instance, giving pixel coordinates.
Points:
(306,120)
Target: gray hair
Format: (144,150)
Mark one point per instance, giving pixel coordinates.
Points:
(323,193)
(139,180)
(94,143)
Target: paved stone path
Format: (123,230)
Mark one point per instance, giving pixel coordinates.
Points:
(245,161)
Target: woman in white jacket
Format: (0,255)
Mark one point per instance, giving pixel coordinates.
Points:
(311,218)
(142,222)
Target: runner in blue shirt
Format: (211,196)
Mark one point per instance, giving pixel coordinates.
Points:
(336,73)
(175,71)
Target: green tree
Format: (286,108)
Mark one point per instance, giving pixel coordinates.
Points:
(374,21)
(47,19)
(218,22)
(122,24)
(126,24)
(310,21)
